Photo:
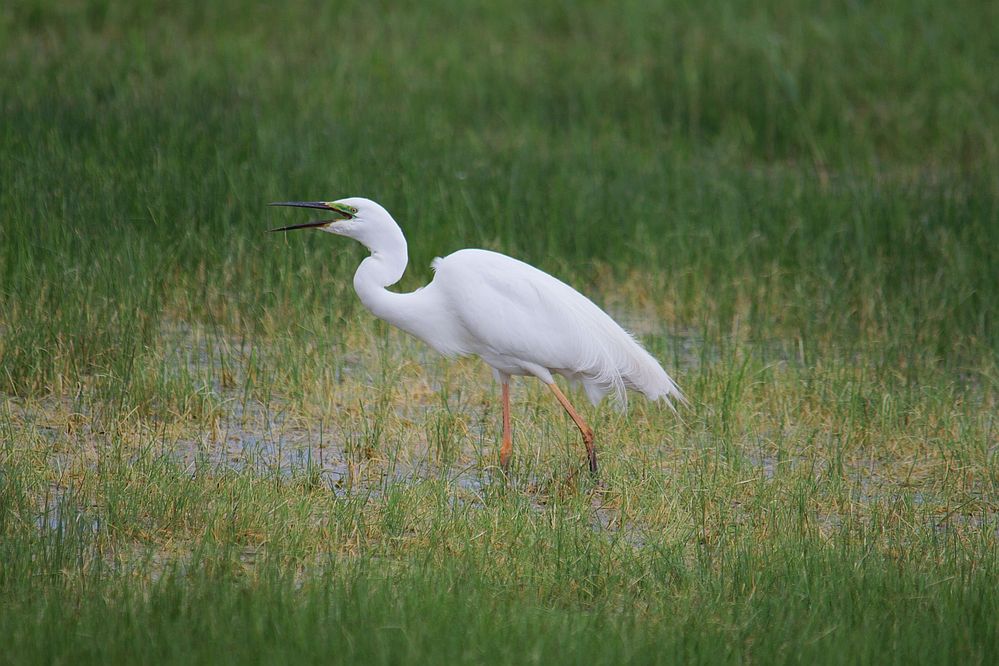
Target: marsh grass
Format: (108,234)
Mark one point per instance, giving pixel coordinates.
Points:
(210,452)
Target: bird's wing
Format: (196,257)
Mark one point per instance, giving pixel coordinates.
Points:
(516,311)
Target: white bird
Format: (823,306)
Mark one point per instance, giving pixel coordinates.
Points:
(518,319)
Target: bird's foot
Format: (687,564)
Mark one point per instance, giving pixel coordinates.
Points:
(592,456)
(591,450)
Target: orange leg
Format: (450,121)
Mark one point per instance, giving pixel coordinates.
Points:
(584,430)
(507,448)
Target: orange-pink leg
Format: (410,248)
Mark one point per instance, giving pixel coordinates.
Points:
(507,448)
(584,430)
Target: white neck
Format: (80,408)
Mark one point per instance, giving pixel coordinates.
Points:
(383,268)
(376,272)
(421,313)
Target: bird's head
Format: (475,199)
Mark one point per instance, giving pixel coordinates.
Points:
(354,217)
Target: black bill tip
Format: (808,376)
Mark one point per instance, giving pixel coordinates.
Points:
(305,225)
(322,205)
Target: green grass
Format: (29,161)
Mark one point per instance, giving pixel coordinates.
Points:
(210,452)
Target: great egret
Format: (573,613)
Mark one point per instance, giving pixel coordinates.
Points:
(518,319)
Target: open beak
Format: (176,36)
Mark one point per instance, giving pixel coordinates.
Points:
(339,210)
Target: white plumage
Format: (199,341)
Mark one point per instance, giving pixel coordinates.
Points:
(523,321)
(518,319)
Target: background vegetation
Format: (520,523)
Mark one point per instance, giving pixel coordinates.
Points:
(210,452)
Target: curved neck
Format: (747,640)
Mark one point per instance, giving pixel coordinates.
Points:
(384,267)
(419,312)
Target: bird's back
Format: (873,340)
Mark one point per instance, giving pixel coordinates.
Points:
(520,319)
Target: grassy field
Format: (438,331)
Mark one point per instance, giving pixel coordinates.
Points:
(210,452)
